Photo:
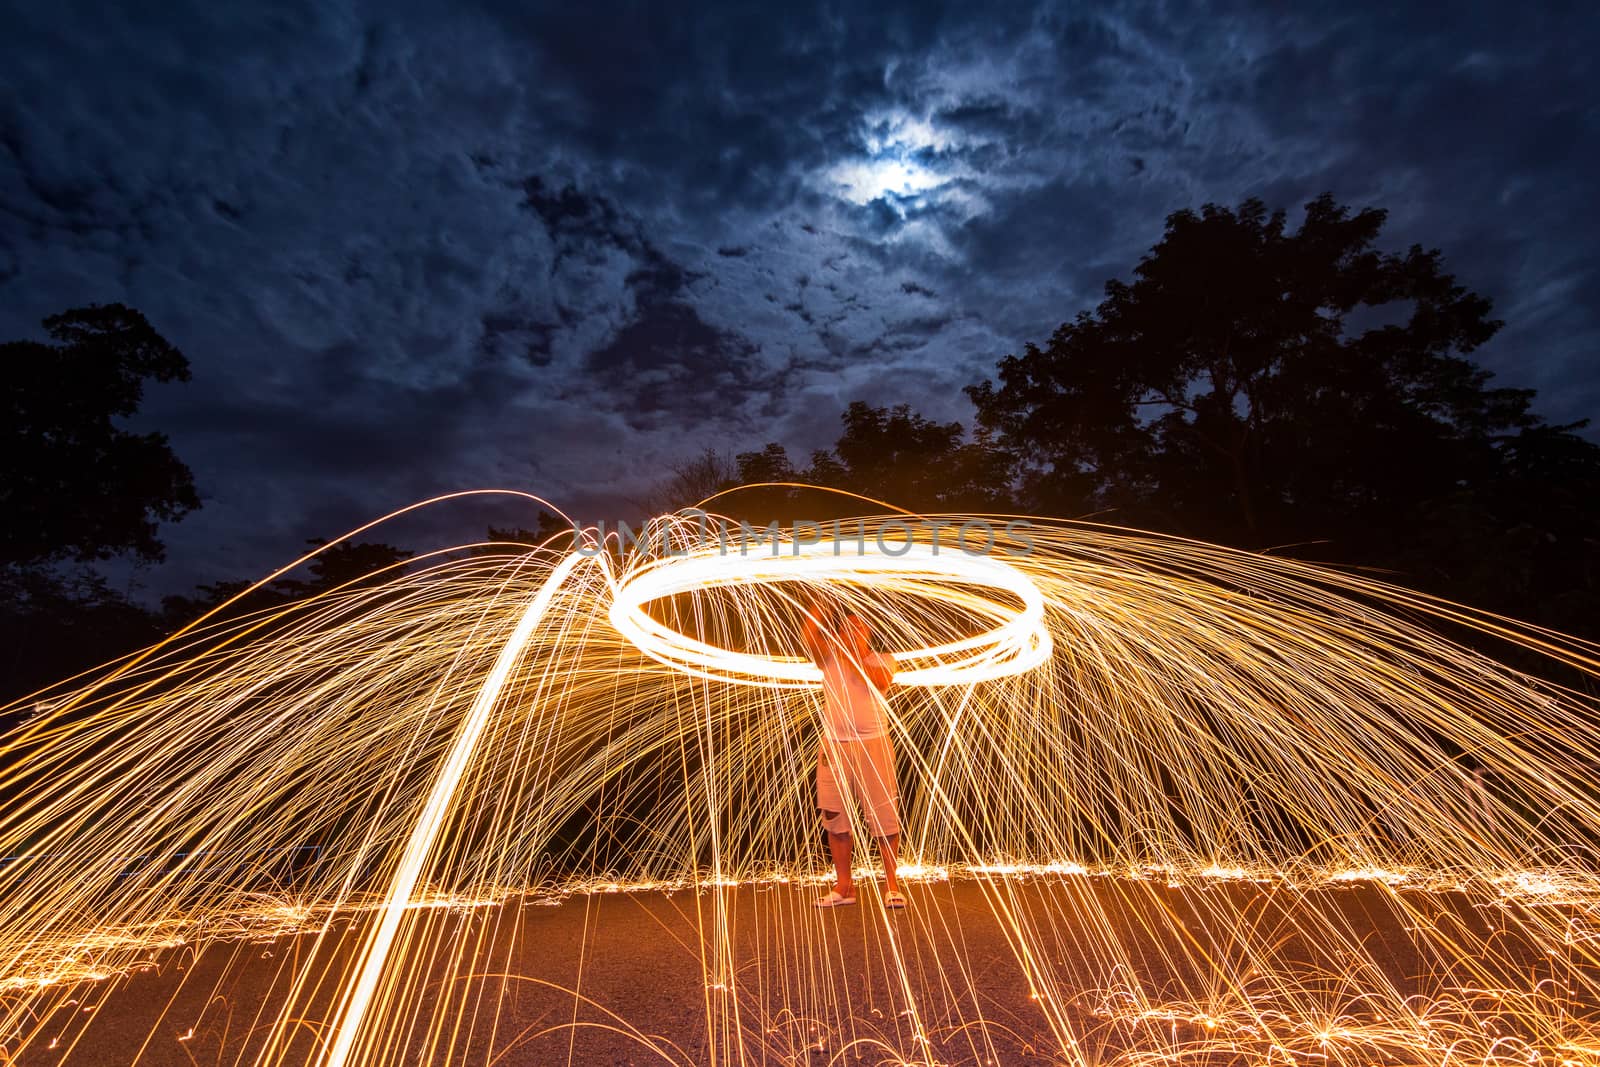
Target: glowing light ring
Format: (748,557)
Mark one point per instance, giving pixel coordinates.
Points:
(1018,643)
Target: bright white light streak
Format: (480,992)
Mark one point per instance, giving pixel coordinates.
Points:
(1018,644)
(358,997)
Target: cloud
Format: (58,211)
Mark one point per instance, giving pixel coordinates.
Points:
(558,247)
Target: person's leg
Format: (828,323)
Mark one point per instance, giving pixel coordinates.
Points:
(842,846)
(889,848)
(830,802)
(875,786)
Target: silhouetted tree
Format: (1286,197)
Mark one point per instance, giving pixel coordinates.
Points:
(770,464)
(347,563)
(56,624)
(178,610)
(1261,386)
(518,540)
(1525,543)
(768,502)
(76,485)
(350,564)
(902,458)
(890,454)
(692,481)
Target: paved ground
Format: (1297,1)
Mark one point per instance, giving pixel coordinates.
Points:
(634,978)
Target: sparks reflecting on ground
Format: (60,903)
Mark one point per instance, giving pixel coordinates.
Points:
(1163,741)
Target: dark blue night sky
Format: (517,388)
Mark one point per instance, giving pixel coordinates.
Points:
(558,247)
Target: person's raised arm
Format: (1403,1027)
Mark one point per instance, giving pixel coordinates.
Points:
(879,669)
(812,635)
(857,639)
(812,638)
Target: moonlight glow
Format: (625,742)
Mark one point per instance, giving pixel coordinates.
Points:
(896,164)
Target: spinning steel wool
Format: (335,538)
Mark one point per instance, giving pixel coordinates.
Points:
(1105,715)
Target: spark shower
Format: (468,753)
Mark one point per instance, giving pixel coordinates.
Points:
(1106,716)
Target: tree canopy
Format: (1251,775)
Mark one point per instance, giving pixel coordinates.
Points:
(1261,385)
(1233,388)
(75,484)
(345,565)
(900,457)
(890,454)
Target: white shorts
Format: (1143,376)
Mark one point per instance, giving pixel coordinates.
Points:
(867,767)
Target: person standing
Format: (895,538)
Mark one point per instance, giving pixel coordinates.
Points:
(856,756)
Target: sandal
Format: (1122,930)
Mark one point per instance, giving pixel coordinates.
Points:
(834,900)
(894,901)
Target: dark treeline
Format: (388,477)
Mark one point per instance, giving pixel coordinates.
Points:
(1299,391)
(77,489)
